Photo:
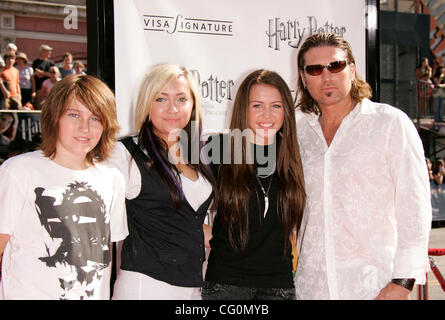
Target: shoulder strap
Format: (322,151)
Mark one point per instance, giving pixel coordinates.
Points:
(130,145)
(135,151)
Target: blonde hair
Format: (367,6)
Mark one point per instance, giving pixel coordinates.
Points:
(96,96)
(153,83)
(156,148)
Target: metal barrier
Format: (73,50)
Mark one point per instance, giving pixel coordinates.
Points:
(425,98)
(423,289)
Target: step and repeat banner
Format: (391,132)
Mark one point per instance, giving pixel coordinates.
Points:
(222,42)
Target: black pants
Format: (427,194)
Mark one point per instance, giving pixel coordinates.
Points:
(217,291)
(26,95)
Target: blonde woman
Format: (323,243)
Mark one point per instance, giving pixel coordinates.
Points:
(49,83)
(167,200)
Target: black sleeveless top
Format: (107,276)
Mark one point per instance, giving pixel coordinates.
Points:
(163,243)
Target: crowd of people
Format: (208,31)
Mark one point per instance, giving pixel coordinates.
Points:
(343,180)
(25,84)
(431,88)
(436,170)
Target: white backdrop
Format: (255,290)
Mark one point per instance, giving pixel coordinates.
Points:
(223,41)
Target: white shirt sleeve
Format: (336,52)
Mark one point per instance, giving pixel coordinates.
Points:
(11,198)
(412,200)
(118,212)
(122,160)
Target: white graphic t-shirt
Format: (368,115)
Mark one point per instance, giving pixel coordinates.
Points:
(61,224)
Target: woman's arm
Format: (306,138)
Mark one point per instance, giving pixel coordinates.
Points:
(4,238)
(207,234)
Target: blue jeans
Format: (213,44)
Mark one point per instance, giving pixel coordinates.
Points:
(438,108)
(217,291)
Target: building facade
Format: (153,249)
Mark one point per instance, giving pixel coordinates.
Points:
(59,24)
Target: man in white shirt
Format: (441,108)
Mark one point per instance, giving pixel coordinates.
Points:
(368,215)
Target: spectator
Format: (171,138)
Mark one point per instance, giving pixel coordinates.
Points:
(424,94)
(434,67)
(67,67)
(5,84)
(79,67)
(27,81)
(423,69)
(11,97)
(41,68)
(438,168)
(438,190)
(49,83)
(430,167)
(11,48)
(439,93)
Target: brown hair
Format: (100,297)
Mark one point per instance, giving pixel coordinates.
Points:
(9,56)
(235,180)
(92,93)
(67,54)
(436,166)
(360,89)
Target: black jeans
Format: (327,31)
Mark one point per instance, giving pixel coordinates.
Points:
(217,291)
(26,95)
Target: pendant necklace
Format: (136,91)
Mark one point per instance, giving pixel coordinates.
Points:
(265,194)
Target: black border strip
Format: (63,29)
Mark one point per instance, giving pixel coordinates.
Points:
(373,48)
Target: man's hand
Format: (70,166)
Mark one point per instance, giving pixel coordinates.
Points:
(393,291)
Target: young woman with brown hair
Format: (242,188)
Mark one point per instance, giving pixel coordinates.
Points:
(261,197)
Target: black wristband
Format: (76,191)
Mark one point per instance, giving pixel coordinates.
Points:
(405,282)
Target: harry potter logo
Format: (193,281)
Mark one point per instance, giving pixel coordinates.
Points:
(293,32)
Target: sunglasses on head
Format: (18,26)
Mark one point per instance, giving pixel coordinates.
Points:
(333,67)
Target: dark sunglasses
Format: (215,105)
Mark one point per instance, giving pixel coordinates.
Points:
(333,67)
(52,72)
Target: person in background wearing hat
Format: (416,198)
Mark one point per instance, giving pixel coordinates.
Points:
(49,83)
(11,48)
(11,97)
(27,81)
(41,68)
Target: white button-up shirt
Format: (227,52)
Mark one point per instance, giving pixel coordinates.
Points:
(368,211)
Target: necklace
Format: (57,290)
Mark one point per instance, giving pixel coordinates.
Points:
(265,194)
